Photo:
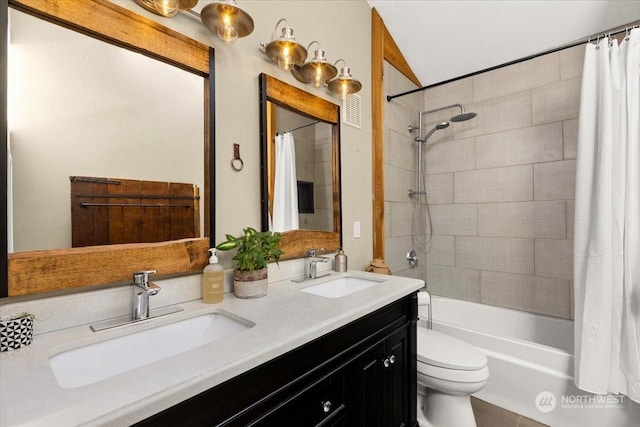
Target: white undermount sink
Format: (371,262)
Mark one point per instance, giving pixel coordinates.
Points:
(95,362)
(341,286)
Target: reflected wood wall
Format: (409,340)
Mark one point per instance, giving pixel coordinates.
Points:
(106,211)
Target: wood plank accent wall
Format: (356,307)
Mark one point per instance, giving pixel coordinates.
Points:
(383,47)
(107,211)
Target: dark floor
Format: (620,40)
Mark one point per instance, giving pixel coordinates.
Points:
(488,415)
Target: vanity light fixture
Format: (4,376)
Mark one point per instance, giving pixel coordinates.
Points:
(318,71)
(344,85)
(285,50)
(227,19)
(222,17)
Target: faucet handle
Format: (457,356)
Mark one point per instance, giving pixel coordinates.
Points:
(141,278)
(313,252)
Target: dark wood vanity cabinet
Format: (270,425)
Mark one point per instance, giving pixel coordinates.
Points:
(379,383)
(362,374)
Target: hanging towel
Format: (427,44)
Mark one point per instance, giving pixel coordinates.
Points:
(285,192)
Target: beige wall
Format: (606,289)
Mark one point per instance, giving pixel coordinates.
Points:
(237,107)
(501,186)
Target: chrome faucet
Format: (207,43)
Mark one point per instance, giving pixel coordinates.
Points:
(142,290)
(310,262)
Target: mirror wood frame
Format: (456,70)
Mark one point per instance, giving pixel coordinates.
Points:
(296,243)
(59,269)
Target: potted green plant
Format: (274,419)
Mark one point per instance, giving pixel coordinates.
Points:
(255,250)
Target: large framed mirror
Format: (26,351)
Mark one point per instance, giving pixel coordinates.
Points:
(311,125)
(44,261)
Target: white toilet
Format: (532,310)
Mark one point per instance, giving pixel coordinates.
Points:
(449,371)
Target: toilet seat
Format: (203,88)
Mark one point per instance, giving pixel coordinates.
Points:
(443,351)
(426,370)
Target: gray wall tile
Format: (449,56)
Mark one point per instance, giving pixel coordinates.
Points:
(520,146)
(523,219)
(557,102)
(554,258)
(537,72)
(554,180)
(509,255)
(494,185)
(454,282)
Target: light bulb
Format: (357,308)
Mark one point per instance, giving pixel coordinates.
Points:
(167,7)
(227,32)
(344,90)
(318,77)
(285,60)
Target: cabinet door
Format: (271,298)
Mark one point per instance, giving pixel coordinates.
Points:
(365,387)
(395,372)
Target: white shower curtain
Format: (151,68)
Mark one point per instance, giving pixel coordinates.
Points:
(607,221)
(285,192)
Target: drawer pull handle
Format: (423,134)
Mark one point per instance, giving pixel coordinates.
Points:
(392,359)
(326,406)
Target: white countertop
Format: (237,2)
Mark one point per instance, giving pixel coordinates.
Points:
(284,319)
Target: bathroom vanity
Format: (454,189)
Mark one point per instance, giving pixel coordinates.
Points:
(364,373)
(303,358)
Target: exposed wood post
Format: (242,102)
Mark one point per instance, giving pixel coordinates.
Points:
(383,47)
(377,131)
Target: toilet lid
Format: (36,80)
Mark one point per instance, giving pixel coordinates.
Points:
(438,349)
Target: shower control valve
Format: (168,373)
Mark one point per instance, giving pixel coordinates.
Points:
(412,258)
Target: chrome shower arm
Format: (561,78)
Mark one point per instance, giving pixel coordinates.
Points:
(424,113)
(435,110)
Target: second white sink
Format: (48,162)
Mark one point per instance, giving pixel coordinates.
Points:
(95,362)
(341,286)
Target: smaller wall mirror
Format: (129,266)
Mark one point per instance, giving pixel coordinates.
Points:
(307,182)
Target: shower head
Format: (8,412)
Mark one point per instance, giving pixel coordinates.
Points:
(463,117)
(439,126)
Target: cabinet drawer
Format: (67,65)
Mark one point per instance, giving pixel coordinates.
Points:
(320,404)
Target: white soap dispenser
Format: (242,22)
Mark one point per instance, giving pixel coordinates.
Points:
(213,280)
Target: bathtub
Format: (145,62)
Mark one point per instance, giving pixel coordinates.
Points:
(530,354)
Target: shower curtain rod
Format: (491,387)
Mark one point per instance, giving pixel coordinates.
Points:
(299,127)
(612,32)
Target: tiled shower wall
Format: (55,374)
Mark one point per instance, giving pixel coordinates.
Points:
(501,186)
(400,175)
